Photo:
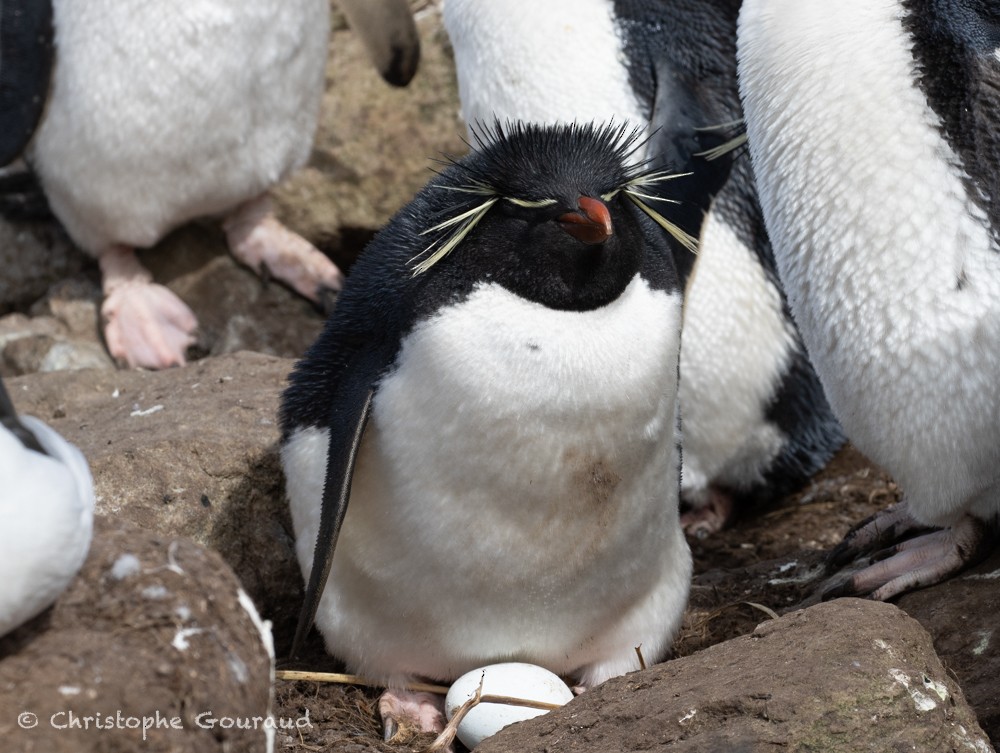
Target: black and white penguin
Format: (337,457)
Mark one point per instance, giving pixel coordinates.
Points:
(874,127)
(192,109)
(513,335)
(755,422)
(46,515)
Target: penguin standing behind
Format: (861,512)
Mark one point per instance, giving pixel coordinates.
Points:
(513,334)
(46,515)
(756,424)
(160,112)
(874,128)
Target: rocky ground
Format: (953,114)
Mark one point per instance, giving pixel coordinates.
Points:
(190,505)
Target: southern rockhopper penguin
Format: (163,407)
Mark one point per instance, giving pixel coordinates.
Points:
(161,112)
(755,422)
(495,393)
(874,128)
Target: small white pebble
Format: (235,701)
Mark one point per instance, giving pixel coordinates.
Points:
(126,565)
(154,592)
(147,412)
(69,690)
(238,667)
(183,612)
(180,641)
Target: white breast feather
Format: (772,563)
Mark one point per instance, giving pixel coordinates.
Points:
(872,230)
(515,496)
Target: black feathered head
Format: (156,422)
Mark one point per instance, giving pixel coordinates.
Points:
(547,168)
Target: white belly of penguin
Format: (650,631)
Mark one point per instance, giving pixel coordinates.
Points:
(515,495)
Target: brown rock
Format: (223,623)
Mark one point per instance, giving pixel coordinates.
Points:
(961,616)
(152,633)
(849,675)
(33,256)
(48,343)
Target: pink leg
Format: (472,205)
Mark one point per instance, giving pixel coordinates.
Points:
(145,324)
(257,239)
(917,562)
(405,713)
(709,518)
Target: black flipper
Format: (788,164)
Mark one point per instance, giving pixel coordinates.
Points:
(26,53)
(348,418)
(10,421)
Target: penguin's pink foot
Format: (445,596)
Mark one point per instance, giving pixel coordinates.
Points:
(257,239)
(701,522)
(406,713)
(145,324)
(917,562)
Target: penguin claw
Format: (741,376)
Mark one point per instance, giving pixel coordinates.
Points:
(873,534)
(389,729)
(842,588)
(918,562)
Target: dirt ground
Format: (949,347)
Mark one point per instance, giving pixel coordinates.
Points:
(734,569)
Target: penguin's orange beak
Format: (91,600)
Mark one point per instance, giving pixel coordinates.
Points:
(591,225)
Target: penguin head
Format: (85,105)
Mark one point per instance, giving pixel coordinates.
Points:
(556,214)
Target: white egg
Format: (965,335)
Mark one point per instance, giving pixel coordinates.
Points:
(513,679)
